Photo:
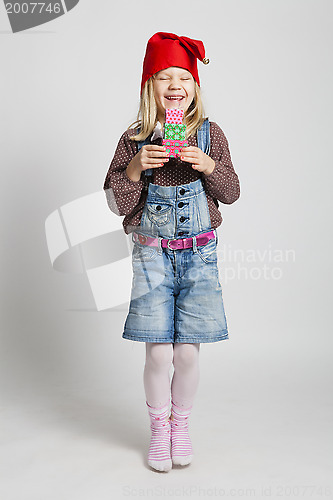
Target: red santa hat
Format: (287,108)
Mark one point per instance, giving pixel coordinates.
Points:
(167,49)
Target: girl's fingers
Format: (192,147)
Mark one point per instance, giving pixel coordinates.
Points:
(155,157)
(191,159)
(157,154)
(154,147)
(153,161)
(153,150)
(190,149)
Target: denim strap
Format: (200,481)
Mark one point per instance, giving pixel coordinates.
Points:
(203,137)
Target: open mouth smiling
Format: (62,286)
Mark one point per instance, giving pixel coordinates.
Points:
(174,98)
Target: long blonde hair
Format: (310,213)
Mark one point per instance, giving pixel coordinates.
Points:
(193,117)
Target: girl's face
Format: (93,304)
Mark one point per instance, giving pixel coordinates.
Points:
(173,82)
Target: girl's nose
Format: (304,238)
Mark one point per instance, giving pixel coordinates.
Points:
(174,81)
(174,85)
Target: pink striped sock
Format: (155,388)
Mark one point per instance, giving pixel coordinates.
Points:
(159,450)
(181,446)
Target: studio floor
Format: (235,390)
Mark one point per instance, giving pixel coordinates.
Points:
(264,435)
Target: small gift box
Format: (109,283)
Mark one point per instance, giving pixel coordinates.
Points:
(173,147)
(174,132)
(174,115)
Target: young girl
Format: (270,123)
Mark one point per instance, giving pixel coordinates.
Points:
(170,206)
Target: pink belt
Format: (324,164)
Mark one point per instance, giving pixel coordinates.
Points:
(178,244)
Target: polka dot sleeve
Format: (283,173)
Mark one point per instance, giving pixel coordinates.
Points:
(122,193)
(223,182)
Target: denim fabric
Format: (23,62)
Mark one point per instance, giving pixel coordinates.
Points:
(176,294)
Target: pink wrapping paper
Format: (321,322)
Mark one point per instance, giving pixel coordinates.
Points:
(173,147)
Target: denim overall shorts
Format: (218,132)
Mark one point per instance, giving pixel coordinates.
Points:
(176,295)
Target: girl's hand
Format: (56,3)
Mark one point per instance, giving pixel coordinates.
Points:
(200,161)
(149,156)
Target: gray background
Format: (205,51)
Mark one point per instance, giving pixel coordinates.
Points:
(73,405)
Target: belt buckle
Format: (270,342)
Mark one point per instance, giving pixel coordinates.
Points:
(142,238)
(170,247)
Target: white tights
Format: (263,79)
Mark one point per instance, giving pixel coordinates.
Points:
(156,374)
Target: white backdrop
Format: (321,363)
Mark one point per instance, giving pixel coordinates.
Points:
(70,384)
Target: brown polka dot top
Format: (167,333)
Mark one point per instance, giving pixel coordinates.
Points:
(127,197)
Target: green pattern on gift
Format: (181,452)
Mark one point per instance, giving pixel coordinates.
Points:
(174,131)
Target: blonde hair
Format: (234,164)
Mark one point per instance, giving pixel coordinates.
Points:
(193,117)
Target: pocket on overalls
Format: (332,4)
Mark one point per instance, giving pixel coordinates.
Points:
(143,253)
(208,252)
(159,213)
